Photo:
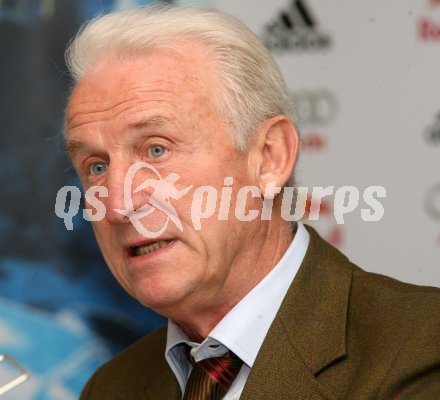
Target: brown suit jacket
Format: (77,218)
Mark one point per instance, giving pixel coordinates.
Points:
(341,333)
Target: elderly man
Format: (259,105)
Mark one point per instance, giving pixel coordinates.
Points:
(256,309)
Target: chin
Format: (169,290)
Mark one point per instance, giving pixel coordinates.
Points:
(160,298)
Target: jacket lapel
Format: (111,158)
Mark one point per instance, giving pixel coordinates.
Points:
(308,333)
(163,385)
(153,378)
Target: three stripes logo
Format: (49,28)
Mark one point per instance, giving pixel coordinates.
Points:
(295,29)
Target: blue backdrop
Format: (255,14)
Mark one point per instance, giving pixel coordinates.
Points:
(61,312)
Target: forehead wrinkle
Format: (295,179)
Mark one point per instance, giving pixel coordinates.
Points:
(144,89)
(154,121)
(171,87)
(89,103)
(98,113)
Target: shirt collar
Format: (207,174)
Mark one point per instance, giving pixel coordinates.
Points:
(244,328)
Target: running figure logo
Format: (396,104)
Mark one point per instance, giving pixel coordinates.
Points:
(163,190)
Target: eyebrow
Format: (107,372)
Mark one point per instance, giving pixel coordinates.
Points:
(72,146)
(155,121)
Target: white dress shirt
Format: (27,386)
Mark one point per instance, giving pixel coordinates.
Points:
(243,329)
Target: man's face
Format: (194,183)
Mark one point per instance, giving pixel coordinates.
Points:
(159,109)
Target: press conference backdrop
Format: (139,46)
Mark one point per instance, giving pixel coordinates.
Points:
(365,80)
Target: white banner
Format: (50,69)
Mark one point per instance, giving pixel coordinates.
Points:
(365,77)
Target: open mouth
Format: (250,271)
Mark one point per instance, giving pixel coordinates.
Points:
(137,251)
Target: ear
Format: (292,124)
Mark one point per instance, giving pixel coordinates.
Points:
(278,152)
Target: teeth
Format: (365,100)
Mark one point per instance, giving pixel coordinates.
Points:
(141,251)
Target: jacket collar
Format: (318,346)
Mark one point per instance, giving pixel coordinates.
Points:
(308,333)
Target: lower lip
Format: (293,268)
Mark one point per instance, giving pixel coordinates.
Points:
(150,256)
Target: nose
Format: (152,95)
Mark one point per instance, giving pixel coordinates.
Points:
(116,200)
(122,201)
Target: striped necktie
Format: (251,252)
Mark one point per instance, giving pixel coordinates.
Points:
(211,378)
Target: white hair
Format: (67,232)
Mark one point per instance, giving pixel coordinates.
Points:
(252,89)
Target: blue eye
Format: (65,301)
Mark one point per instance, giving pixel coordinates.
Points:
(98,168)
(156,151)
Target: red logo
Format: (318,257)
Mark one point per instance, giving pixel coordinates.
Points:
(335,236)
(434,3)
(322,207)
(429,30)
(330,231)
(313,142)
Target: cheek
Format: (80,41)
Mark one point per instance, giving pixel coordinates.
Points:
(103,236)
(98,227)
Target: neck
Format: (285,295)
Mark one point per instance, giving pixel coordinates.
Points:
(268,245)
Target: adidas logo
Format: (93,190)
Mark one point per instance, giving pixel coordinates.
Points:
(295,29)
